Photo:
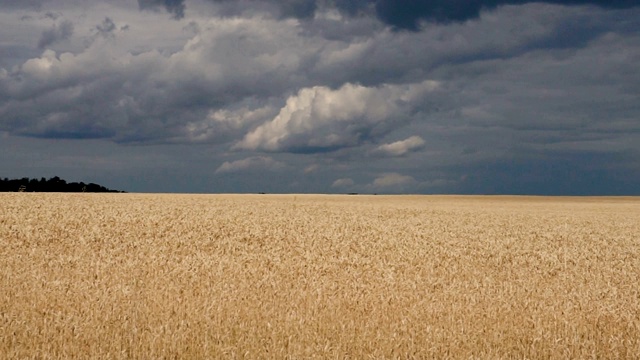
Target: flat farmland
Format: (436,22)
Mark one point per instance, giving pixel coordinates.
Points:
(145,276)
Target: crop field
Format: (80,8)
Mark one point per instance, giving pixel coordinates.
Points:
(142,276)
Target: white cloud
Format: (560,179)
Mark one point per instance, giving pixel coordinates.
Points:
(402,147)
(322,118)
(224,123)
(251,163)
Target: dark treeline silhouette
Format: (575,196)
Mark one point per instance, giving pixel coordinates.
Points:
(54,184)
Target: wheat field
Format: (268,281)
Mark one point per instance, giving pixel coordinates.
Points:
(142,276)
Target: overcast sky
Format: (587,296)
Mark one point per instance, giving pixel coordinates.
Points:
(323,96)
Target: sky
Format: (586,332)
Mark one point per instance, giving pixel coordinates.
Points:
(323,96)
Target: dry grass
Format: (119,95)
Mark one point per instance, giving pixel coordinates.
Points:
(275,276)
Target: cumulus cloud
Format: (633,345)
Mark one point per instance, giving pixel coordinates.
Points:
(251,163)
(56,33)
(320,118)
(232,80)
(151,96)
(402,147)
(224,123)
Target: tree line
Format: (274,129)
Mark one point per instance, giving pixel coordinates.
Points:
(54,184)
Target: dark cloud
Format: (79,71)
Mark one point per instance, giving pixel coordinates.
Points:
(174,7)
(562,174)
(56,33)
(298,8)
(352,7)
(400,14)
(407,14)
(106,28)
(51,15)
(262,85)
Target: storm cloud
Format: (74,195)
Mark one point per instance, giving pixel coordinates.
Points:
(400,14)
(326,96)
(407,14)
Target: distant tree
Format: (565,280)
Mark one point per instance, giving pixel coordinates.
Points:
(54,184)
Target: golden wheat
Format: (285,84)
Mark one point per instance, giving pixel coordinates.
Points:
(309,276)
